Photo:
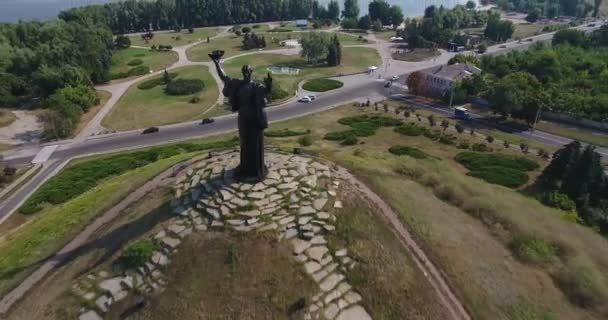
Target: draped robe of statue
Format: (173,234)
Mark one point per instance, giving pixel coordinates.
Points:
(248,98)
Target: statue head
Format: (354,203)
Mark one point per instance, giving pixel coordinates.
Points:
(247,71)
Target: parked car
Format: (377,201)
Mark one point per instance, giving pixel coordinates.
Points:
(207,121)
(150,130)
(394,78)
(312,97)
(305,99)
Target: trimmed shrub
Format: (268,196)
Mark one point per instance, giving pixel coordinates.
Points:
(305,141)
(447,139)
(284,133)
(481,147)
(195,99)
(135,62)
(506,170)
(137,254)
(152,83)
(463,145)
(410,129)
(322,85)
(339,135)
(557,200)
(476,161)
(507,177)
(533,250)
(490,139)
(350,141)
(433,135)
(408,151)
(459,128)
(180,87)
(138,71)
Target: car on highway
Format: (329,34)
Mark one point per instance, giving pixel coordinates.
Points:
(150,130)
(207,121)
(306,99)
(591,25)
(312,97)
(503,46)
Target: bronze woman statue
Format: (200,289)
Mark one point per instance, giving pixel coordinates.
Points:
(249,99)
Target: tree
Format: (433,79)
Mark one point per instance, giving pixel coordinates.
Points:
(166,77)
(482,47)
(334,52)
(533,15)
(596,8)
(365,23)
(395,16)
(350,23)
(415,83)
(471,5)
(380,10)
(570,36)
(377,26)
(122,42)
(314,46)
(351,9)
(333,10)
(499,30)
(516,95)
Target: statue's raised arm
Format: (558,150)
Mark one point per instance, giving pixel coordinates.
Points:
(215,57)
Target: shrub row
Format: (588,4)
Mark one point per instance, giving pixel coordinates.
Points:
(362,126)
(180,87)
(506,170)
(133,72)
(79,178)
(152,83)
(135,62)
(408,151)
(282,133)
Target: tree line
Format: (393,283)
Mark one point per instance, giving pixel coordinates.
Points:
(138,16)
(380,14)
(570,76)
(552,8)
(440,25)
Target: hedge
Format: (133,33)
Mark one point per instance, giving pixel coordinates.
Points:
(503,176)
(135,62)
(81,177)
(363,126)
(506,170)
(322,85)
(153,83)
(407,151)
(410,129)
(284,133)
(182,87)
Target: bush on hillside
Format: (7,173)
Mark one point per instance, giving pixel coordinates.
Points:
(410,129)
(583,286)
(137,254)
(503,176)
(481,147)
(557,200)
(277,93)
(322,85)
(408,151)
(284,133)
(339,135)
(533,250)
(305,141)
(476,161)
(350,141)
(180,87)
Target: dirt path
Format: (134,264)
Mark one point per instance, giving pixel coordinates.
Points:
(448,299)
(61,256)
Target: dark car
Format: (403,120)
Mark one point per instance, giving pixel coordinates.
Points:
(150,130)
(207,121)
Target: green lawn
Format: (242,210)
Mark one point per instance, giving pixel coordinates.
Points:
(144,108)
(353,60)
(231,45)
(170,38)
(467,225)
(526,30)
(385,35)
(6,117)
(322,85)
(347,39)
(155,60)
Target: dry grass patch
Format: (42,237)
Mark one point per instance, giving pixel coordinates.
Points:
(7,117)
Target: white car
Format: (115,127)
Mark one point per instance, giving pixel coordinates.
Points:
(395,78)
(305,99)
(312,97)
